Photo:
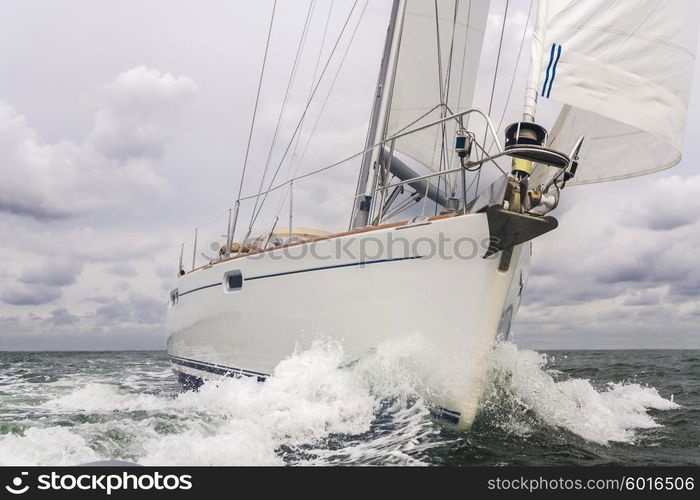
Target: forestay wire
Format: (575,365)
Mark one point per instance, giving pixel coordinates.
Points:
(255,215)
(255,113)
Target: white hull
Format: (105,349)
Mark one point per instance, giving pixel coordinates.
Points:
(287,303)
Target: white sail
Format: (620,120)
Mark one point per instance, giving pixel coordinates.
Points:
(623,71)
(438,57)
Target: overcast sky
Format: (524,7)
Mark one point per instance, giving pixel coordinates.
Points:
(123,126)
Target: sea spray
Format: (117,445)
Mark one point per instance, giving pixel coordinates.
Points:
(521,383)
(319,407)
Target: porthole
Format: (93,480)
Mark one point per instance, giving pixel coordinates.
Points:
(233,281)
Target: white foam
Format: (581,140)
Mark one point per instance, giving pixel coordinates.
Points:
(601,416)
(226,422)
(310,400)
(51,446)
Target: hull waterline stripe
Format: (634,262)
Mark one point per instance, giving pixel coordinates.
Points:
(352,264)
(216,369)
(300,271)
(199,289)
(194,382)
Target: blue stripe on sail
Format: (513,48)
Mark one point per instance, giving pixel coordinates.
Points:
(549,67)
(554,70)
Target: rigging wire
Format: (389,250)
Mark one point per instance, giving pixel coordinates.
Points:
(330,90)
(464,56)
(493,86)
(313,80)
(461,81)
(444,86)
(287,92)
(255,215)
(442,96)
(298,159)
(325,102)
(413,198)
(448,76)
(255,111)
(515,72)
(374,146)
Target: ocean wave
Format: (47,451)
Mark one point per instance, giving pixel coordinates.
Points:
(320,408)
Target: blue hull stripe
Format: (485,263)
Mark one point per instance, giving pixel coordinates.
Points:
(301,271)
(198,289)
(193,382)
(337,266)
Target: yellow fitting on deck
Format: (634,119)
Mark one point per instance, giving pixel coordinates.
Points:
(520,165)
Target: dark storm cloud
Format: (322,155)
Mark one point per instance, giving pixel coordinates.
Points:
(124,270)
(629,272)
(133,323)
(643,298)
(60,333)
(137,308)
(688,289)
(147,310)
(663,222)
(668,203)
(567,287)
(61,316)
(30,296)
(620,271)
(110,167)
(19,206)
(56,273)
(98,299)
(114,312)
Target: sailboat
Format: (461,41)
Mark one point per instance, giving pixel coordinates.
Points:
(621,72)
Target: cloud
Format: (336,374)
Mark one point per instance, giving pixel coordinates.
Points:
(61,316)
(138,120)
(54,273)
(60,331)
(123,269)
(620,269)
(645,297)
(667,203)
(112,166)
(30,296)
(165,271)
(133,322)
(114,312)
(147,310)
(137,309)
(85,243)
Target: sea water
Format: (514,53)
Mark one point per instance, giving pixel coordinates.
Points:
(574,407)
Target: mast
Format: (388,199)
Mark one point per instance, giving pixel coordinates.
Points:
(377,126)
